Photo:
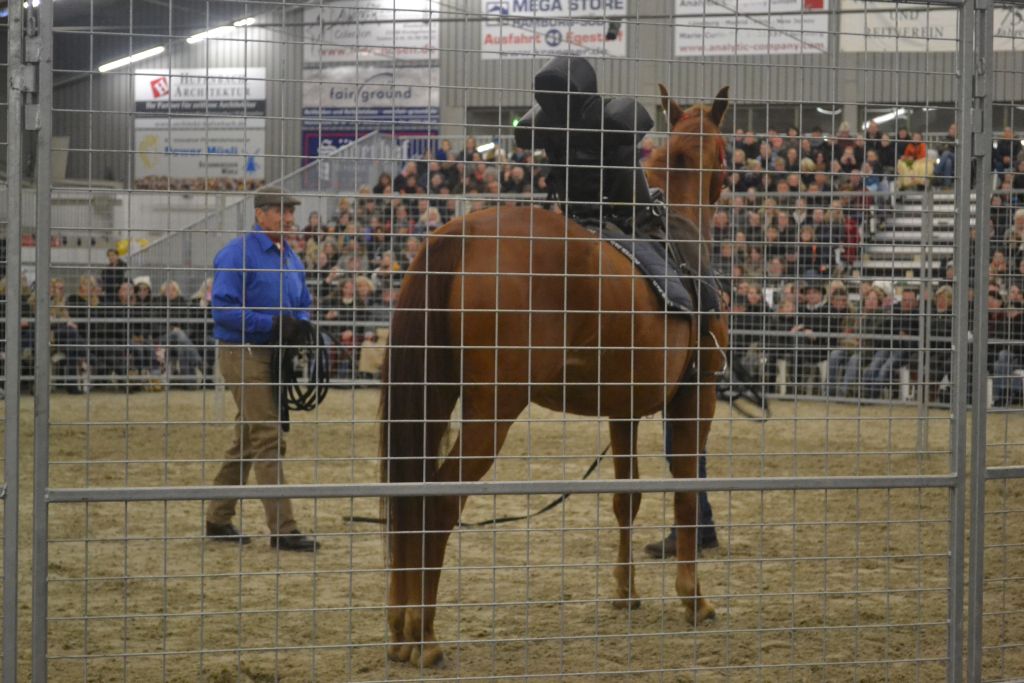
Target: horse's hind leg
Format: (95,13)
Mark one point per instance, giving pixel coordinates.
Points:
(623,437)
(469,460)
(690,414)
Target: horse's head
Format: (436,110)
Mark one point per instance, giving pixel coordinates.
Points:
(690,167)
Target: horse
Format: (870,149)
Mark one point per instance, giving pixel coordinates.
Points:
(512,305)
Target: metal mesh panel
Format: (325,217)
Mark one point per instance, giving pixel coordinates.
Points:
(445,276)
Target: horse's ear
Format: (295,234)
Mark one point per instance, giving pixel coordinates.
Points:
(673,110)
(720,105)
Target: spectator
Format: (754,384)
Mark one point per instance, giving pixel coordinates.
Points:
(1005,151)
(903,330)
(384,185)
(387,278)
(888,155)
(86,308)
(313,229)
(142,331)
(940,341)
(202,325)
(1008,370)
(174,335)
(514,180)
(946,166)
(115,273)
(873,323)
(68,345)
(842,341)
(912,170)
(812,255)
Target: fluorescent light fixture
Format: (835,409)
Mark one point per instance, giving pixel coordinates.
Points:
(35,3)
(885,118)
(928,108)
(131,59)
(218,32)
(830,112)
(486,147)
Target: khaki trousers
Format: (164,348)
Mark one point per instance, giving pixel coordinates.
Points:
(259,441)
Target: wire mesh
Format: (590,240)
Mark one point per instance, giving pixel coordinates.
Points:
(836,243)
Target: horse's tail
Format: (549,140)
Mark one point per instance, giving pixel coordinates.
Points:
(420,376)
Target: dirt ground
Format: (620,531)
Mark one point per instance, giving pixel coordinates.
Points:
(810,586)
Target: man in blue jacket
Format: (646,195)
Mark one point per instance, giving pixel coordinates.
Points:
(260,302)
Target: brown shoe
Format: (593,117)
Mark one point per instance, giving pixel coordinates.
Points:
(226,533)
(296,541)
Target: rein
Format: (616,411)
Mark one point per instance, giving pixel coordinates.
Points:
(291,395)
(500,520)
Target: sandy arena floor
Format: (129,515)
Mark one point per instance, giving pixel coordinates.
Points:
(809,586)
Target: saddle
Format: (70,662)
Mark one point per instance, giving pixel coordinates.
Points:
(668,252)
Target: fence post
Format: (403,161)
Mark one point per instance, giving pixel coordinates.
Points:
(12,347)
(41,457)
(979,136)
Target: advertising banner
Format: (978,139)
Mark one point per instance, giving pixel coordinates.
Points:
(370,31)
(878,27)
(199,153)
(216,90)
(884,27)
(341,102)
(528,28)
(751,27)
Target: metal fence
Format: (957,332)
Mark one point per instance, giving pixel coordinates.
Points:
(864,462)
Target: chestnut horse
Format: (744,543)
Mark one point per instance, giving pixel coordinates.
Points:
(512,305)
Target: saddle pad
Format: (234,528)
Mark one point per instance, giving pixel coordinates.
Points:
(676,287)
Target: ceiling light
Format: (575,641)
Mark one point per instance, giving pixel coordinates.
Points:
(830,112)
(218,32)
(885,118)
(486,147)
(248,21)
(138,56)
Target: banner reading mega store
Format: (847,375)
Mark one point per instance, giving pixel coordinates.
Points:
(529,28)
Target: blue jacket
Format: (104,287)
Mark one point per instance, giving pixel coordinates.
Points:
(253,283)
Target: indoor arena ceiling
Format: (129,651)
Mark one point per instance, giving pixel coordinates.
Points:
(92,32)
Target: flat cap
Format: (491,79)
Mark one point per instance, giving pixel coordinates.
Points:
(271,195)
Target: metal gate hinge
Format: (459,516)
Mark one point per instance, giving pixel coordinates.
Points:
(25,78)
(33,50)
(33,120)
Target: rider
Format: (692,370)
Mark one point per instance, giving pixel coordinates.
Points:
(591,145)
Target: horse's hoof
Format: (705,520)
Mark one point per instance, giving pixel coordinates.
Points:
(399,652)
(626,603)
(704,611)
(429,656)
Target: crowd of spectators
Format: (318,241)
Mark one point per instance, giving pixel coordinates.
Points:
(116,327)
(217,184)
(788,234)
(786,242)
